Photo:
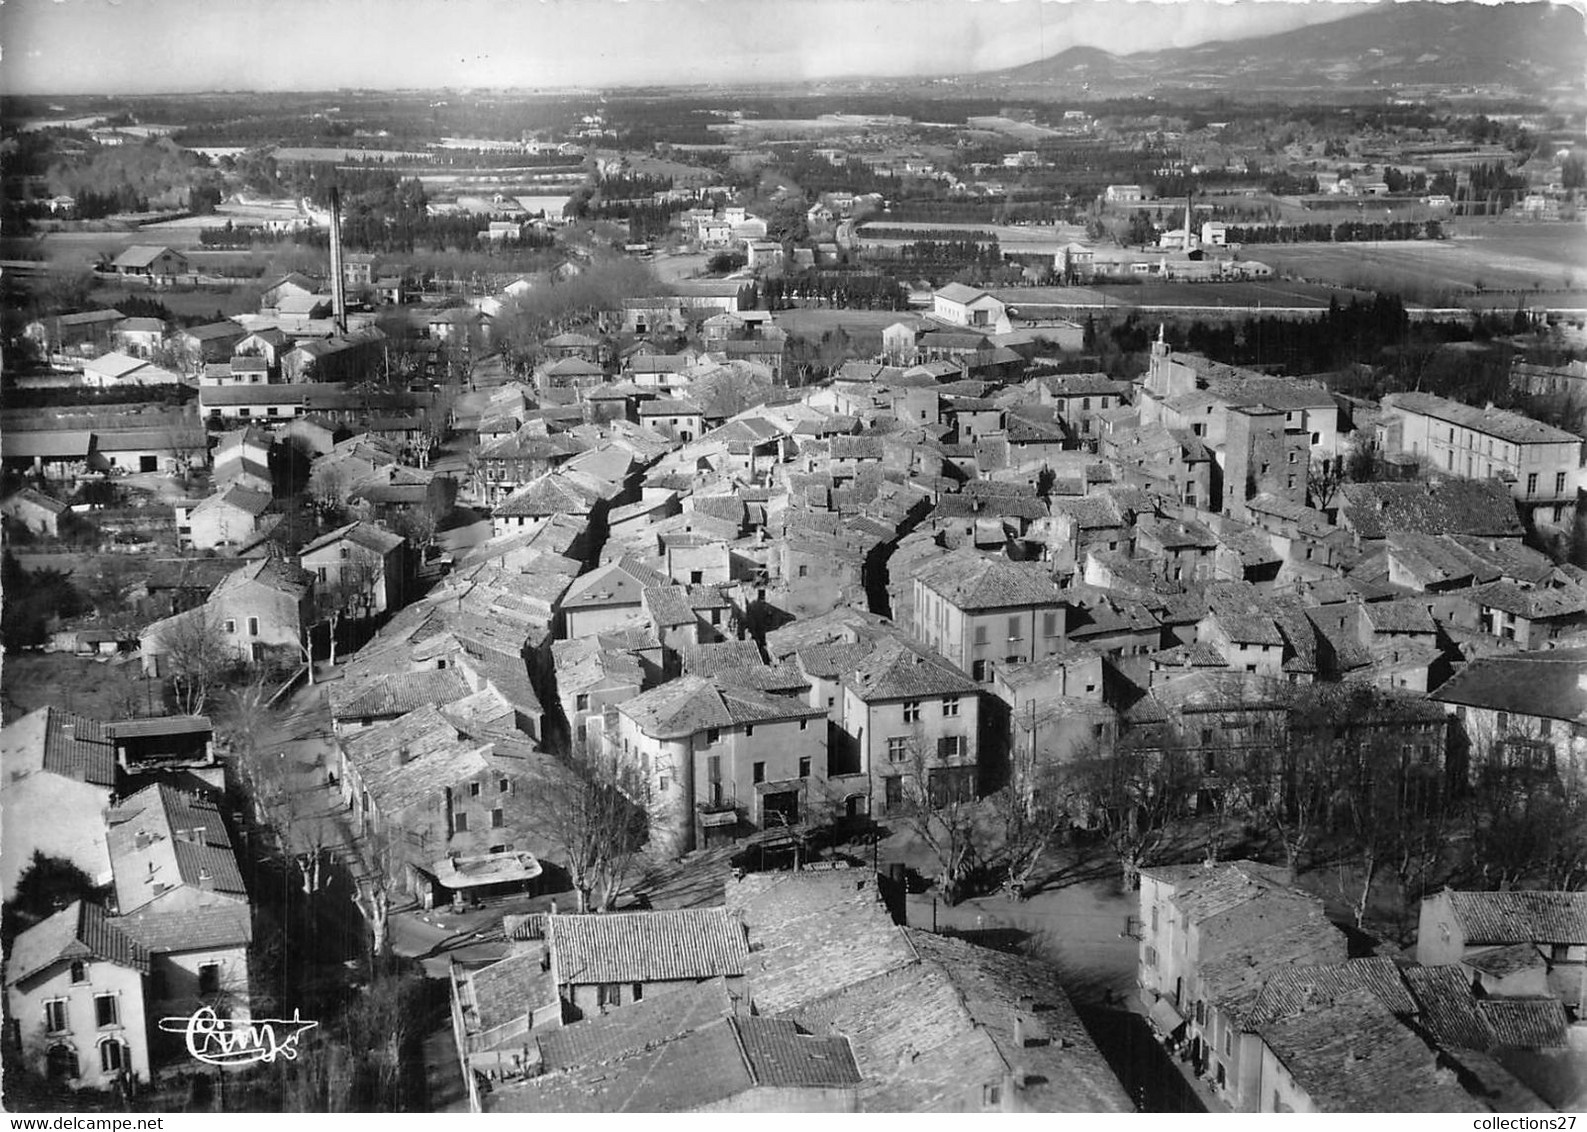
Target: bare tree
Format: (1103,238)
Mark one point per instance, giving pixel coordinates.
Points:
(1133,792)
(331,485)
(1323,478)
(595,816)
(372,887)
(938,805)
(198,658)
(348,593)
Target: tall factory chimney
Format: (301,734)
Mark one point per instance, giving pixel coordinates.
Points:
(338,283)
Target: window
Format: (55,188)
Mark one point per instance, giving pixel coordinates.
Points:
(346,551)
(757,772)
(460,822)
(897,749)
(319,573)
(712,736)
(1015,630)
(112,1056)
(229,625)
(1503,721)
(893,792)
(696,577)
(950,747)
(980,634)
(105,1010)
(1154,917)
(1049,624)
(581,702)
(79,972)
(253,626)
(911,711)
(638,991)
(498,818)
(804,767)
(55,1019)
(804,725)
(950,705)
(978,671)
(473,790)
(1292,457)
(662,784)
(1559,483)
(209,978)
(749,729)
(1531,483)
(804,571)
(1228,1040)
(608,994)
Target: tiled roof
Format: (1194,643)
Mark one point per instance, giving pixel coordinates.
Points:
(436,758)
(396,693)
(617,583)
(163,836)
(1544,684)
(1353,1055)
(699,1070)
(161,725)
(691,704)
(42,501)
(1447,1009)
(1534,604)
(1451,506)
(642,947)
(1292,989)
(634,1029)
(250,502)
(1064,1073)
(972,581)
(81,930)
(1520,917)
(509,989)
(1526,1023)
(72,746)
(900,669)
(1498,423)
(220,924)
(551,494)
(780,1055)
(814,934)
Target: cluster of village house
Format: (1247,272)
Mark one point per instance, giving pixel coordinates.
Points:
(698,589)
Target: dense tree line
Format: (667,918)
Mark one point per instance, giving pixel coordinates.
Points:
(948,255)
(849,289)
(1344,232)
(817,174)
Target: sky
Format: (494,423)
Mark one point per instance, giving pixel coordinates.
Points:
(147,46)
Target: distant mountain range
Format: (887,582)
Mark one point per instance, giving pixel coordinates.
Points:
(1529,46)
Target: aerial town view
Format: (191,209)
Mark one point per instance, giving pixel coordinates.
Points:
(778,556)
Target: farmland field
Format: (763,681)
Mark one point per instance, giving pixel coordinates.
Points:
(1499,257)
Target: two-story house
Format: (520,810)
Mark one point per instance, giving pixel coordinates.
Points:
(980,611)
(1520,716)
(366,564)
(232,517)
(716,756)
(263,607)
(75,999)
(907,729)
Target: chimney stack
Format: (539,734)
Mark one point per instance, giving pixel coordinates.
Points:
(338,284)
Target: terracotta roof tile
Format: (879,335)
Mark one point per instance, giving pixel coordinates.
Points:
(635,947)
